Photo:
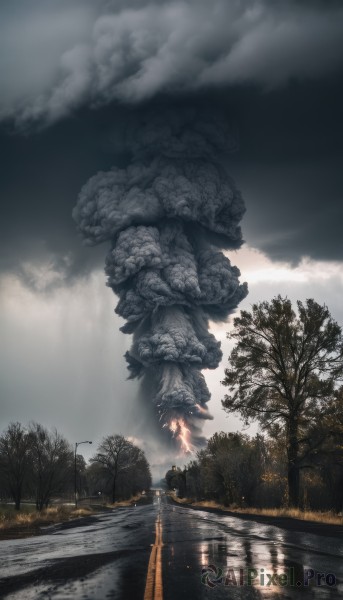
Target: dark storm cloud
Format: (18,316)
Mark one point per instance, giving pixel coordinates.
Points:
(289,133)
(41,176)
(295,210)
(289,169)
(131,51)
(287,165)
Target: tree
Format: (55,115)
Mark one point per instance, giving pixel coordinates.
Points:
(118,457)
(325,451)
(173,478)
(232,466)
(51,463)
(194,480)
(138,476)
(14,460)
(284,371)
(81,475)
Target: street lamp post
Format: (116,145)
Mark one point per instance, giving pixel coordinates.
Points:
(75,469)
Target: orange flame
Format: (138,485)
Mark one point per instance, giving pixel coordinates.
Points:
(201,409)
(179,429)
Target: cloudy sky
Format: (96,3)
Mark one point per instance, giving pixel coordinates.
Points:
(73,74)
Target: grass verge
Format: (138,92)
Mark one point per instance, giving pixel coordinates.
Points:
(29,518)
(28,521)
(326,517)
(130,502)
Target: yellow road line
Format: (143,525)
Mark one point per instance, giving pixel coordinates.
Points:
(154,586)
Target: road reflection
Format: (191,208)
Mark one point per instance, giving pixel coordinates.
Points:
(243,560)
(204,556)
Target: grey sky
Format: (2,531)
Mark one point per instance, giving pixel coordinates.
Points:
(73,75)
(57,57)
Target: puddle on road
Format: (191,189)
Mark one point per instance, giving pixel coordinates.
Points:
(246,568)
(248,561)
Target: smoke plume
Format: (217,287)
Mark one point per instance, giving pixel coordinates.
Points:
(168,215)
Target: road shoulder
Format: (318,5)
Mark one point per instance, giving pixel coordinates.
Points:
(288,523)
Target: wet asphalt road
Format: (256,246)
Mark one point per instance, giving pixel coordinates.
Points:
(109,557)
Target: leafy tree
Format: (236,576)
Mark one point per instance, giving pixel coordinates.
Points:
(122,462)
(173,478)
(14,460)
(232,466)
(273,491)
(194,480)
(51,463)
(325,451)
(283,372)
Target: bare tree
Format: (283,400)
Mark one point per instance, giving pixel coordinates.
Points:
(117,456)
(14,460)
(81,475)
(51,463)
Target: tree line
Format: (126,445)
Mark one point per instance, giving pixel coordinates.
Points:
(285,372)
(39,464)
(238,470)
